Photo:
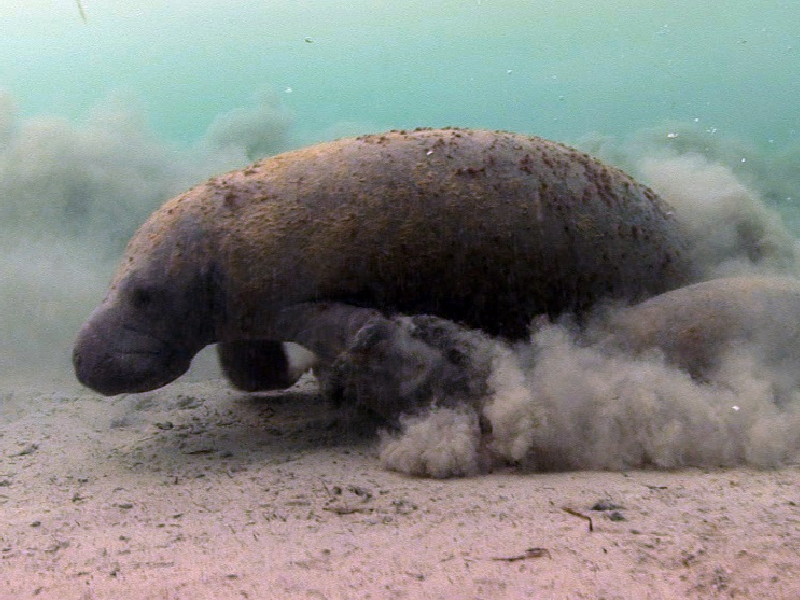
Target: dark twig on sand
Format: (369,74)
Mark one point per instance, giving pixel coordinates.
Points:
(575,513)
(529,553)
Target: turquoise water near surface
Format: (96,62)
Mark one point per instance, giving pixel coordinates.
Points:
(556,68)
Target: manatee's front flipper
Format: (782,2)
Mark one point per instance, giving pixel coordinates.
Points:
(264,364)
(256,365)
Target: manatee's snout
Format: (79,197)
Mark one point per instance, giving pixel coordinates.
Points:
(112,358)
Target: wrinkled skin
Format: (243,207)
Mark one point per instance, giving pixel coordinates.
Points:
(487,229)
(157,315)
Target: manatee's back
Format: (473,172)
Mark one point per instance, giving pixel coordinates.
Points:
(481,227)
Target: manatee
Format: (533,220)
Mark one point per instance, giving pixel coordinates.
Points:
(696,325)
(486,229)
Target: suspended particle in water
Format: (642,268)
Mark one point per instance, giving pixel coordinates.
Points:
(288,90)
(81,11)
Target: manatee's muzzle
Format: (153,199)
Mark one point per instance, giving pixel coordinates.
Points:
(113,359)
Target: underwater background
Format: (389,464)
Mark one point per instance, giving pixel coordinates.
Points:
(110,107)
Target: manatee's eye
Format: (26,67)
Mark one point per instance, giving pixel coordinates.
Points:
(141,298)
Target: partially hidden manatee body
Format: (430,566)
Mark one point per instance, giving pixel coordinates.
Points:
(403,363)
(487,229)
(696,325)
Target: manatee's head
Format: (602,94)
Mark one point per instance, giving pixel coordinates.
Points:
(158,313)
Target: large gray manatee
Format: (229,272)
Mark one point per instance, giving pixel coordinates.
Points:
(483,228)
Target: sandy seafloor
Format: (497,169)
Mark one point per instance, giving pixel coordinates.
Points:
(197,491)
